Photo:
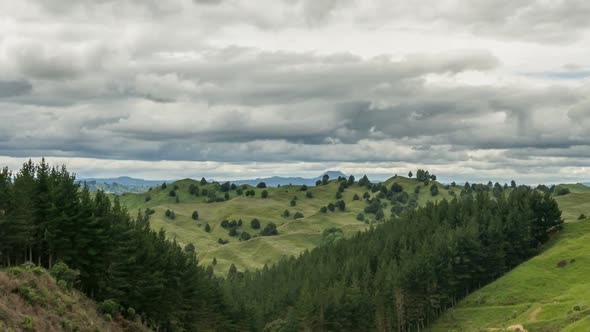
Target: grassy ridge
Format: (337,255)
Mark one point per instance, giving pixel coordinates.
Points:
(538,295)
(295,236)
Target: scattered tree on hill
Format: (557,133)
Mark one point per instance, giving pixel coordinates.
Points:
(434,189)
(195,215)
(264,194)
(214,262)
(233,232)
(170,214)
(396,188)
(172,193)
(293,202)
(323,209)
(270,230)
(350,181)
(207,228)
(582,217)
(298,215)
(410,174)
(245,236)
(380,215)
(203,181)
(286,213)
(147,198)
(233,186)
(261,185)
(225,187)
(325,179)
(163,186)
(513,184)
(177,199)
(341,205)
(318,183)
(356,197)
(360,217)
(331,207)
(226,196)
(364,181)
(255,223)
(309,194)
(190,248)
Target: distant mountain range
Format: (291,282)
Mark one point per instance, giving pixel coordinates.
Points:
(124,180)
(126,184)
(275,181)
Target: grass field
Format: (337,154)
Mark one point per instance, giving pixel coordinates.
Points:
(537,295)
(295,235)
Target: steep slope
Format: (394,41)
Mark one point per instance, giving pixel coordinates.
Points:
(31,300)
(295,235)
(550,292)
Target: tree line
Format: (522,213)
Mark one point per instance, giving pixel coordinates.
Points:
(46,217)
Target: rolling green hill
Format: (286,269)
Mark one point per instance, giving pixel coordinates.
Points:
(550,292)
(295,235)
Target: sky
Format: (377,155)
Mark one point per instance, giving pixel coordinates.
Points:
(233,89)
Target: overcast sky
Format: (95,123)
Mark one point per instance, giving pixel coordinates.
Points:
(471,90)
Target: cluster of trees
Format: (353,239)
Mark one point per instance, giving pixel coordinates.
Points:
(424,176)
(399,275)
(47,218)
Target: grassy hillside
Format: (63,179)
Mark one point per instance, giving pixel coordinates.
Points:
(539,295)
(31,300)
(295,235)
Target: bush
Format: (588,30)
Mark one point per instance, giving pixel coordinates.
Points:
(356,197)
(264,194)
(195,215)
(582,217)
(255,223)
(207,228)
(62,272)
(131,313)
(298,215)
(286,213)
(360,217)
(108,307)
(309,194)
(293,202)
(28,324)
(172,193)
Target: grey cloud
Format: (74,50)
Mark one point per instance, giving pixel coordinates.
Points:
(14,88)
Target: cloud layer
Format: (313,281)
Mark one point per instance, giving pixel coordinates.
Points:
(494,89)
